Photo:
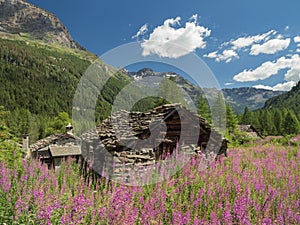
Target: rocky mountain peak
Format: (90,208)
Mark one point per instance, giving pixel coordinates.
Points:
(22,18)
(145,71)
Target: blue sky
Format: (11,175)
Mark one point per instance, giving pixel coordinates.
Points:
(244,42)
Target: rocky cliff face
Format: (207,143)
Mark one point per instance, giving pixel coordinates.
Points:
(20,17)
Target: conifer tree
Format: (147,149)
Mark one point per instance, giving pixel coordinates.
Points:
(267,122)
(203,108)
(170,92)
(9,149)
(247,116)
(231,120)
(59,123)
(278,121)
(291,124)
(255,120)
(219,113)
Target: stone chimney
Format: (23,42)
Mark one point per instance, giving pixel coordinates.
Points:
(69,129)
(25,145)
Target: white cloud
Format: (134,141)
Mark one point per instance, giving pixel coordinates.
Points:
(243,42)
(278,87)
(230,49)
(297,39)
(270,47)
(261,86)
(212,55)
(287,28)
(228,84)
(279,36)
(194,17)
(293,74)
(226,55)
(267,69)
(168,41)
(142,31)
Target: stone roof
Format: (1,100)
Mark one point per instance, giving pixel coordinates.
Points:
(250,129)
(246,128)
(133,126)
(67,150)
(52,139)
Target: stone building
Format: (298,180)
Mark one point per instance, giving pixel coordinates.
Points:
(143,138)
(250,130)
(138,139)
(55,148)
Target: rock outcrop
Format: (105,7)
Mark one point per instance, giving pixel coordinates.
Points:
(22,18)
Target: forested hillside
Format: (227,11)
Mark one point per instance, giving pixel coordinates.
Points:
(289,100)
(30,75)
(39,81)
(280,116)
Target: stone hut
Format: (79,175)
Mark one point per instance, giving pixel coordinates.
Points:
(143,138)
(251,131)
(55,148)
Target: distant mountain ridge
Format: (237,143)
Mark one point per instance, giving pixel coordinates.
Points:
(238,98)
(21,18)
(251,97)
(192,90)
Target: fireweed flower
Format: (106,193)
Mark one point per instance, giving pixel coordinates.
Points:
(257,185)
(240,209)
(5,178)
(227,217)
(5,184)
(267,221)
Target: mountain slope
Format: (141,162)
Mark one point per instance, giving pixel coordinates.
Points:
(40,70)
(40,67)
(288,100)
(24,19)
(43,78)
(39,81)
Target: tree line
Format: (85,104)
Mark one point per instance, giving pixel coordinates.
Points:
(267,121)
(273,121)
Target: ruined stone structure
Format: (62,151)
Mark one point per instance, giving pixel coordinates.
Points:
(143,138)
(251,131)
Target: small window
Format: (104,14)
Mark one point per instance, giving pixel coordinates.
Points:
(57,162)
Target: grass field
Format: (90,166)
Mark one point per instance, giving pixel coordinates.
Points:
(254,185)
